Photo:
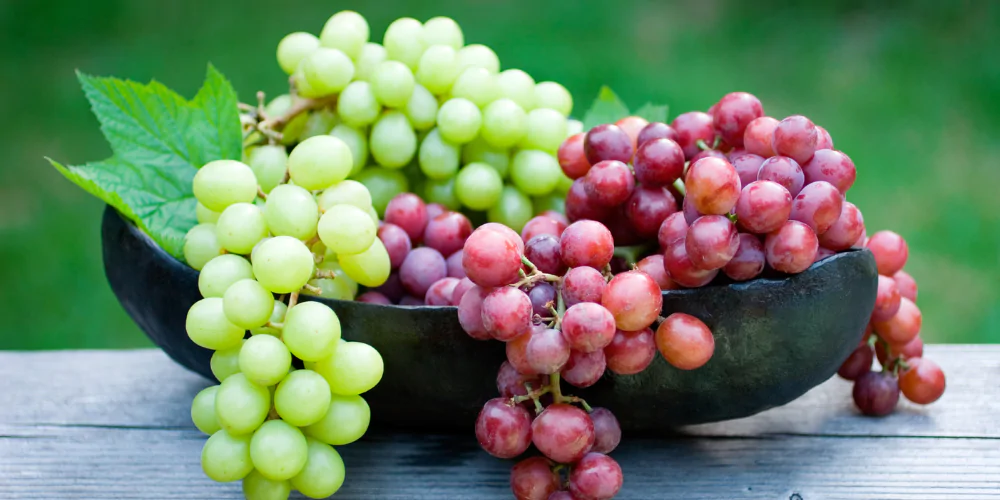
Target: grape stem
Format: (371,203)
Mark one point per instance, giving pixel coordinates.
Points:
(701,145)
(679,186)
(261,194)
(312,289)
(293,299)
(324,274)
(272,324)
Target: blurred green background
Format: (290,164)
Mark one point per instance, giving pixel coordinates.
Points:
(910,90)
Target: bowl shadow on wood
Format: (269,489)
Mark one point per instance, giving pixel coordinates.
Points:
(775,338)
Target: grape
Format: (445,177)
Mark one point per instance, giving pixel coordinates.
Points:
(440,292)
(323,473)
(291,211)
(544,252)
(634,299)
(609,183)
(562,432)
(583,284)
(264,360)
(221,272)
(711,242)
(547,350)
(278,450)
(764,206)
(320,161)
(247,304)
(370,268)
(258,487)
(907,285)
(443,31)
(903,327)
(438,69)
(302,398)
(791,248)
(204,215)
(887,299)
(818,205)
(346,30)
(655,130)
(691,213)
(562,495)
(543,296)
(470,314)
(823,139)
(374,298)
(221,183)
(354,368)
(282,264)
(653,266)
(607,142)
(438,158)
(511,383)
(747,165)
(340,287)
(584,369)
(293,47)
(344,422)
(503,431)
(748,262)
(607,431)
(535,172)
(409,212)
(277,316)
(708,153)
(588,327)
(393,142)
(848,227)
(542,224)
(658,162)
(596,476)
(491,258)
(459,120)
(420,269)
(392,84)
(858,363)
(758,135)
(478,56)
(796,137)
(733,114)
(404,41)
(692,127)
(713,186)
(454,265)
(682,270)
(207,326)
(383,184)
(922,382)
(673,228)
(311,331)
(551,95)
(203,411)
(517,352)
(545,130)
(345,192)
(441,193)
(464,285)
(572,158)
(269,165)
(422,108)
(504,123)
(226,457)
(517,86)
(831,166)
(685,341)
(629,353)
(784,171)
(357,105)
(876,393)
(372,55)
(226,362)
(632,125)
(240,405)
(890,251)
(447,232)
(533,479)
(326,71)
(587,243)
(481,151)
(278,107)
(506,313)
(356,142)
(346,229)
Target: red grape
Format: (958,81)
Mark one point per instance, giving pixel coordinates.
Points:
(876,393)
(397,243)
(784,171)
(831,166)
(653,266)
(507,313)
(563,432)
(682,270)
(547,350)
(890,251)
(823,139)
(818,205)
(572,158)
(447,232)
(562,495)
(503,431)
(579,206)
(583,284)
(691,214)
(763,206)
(491,258)
(607,431)
(708,153)
(748,262)
(609,183)
(732,115)
(673,228)
(630,352)
(791,248)
(713,186)
(440,292)
(420,269)
(584,369)
(691,127)
(912,349)
(632,125)
(511,382)
(858,363)
(607,142)
(542,224)
(658,162)
(435,209)
(506,231)
(464,285)
(685,341)
(470,312)
(795,136)
(544,252)
(588,327)
(411,301)
(887,299)
(757,136)
(648,207)
(533,479)
(845,230)
(922,382)
(587,243)
(747,166)
(543,296)
(517,352)
(634,299)
(822,253)
(903,327)
(907,285)
(595,477)
(371,297)
(656,130)
(711,242)
(392,288)
(407,211)
(454,263)
(556,216)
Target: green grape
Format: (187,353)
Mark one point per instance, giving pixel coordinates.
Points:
(226,457)
(357,105)
(207,326)
(345,192)
(341,287)
(443,192)
(258,487)
(573,127)
(383,184)
(404,42)
(546,130)
(302,398)
(443,31)
(311,331)
(481,151)
(277,316)
(438,158)
(438,69)
(291,211)
(356,141)
(372,54)
(264,360)
(293,48)
(241,405)
(346,31)
(240,227)
(226,362)
(370,210)
(247,304)
(477,85)
(204,215)
(478,56)
(513,210)
(552,201)
(320,122)
(564,184)
(551,95)
(291,131)
(478,186)
(221,272)
(354,368)
(269,165)
(517,86)
(369,268)
(283,264)
(392,83)
(221,183)
(393,142)
(278,450)
(459,120)
(535,172)
(320,161)
(201,245)
(422,108)
(345,421)
(203,411)
(323,473)
(504,123)
(346,229)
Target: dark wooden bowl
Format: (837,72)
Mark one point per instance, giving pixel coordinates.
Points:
(775,338)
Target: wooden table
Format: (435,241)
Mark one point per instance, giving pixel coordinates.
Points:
(115,424)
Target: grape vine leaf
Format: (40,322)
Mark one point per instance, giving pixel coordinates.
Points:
(159,141)
(653,112)
(609,108)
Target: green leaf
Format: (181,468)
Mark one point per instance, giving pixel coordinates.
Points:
(159,140)
(607,108)
(653,112)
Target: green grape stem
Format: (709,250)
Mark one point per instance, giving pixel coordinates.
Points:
(701,145)
(293,298)
(679,186)
(261,194)
(312,289)
(324,274)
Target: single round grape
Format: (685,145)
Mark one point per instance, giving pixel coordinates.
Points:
(346,229)
(583,284)
(201,246)
(264,360)
(372,54)
(682,270)
(609,183)
(464,285)
(404,41)
(791,248)
(633,299)
(747,165)
(207,326)
(277,316)
(226,457)
(420,269)
(383,184)
(632,126)
(447,232)
(545,130)
(517,352)
(311,331)
(204,215)
(647,208)
(269,165)
(356,142)
(481,151)
(532,478)
(491,257)
(563,432)
(470,314)
(733,114)
(443,31)
(763,206)
(584,369)
(282,264)
(370,268)
(658,162)
(823,139)
(440,292)
(655,130)
(887,299)
(784,171)
(858,363)
(203,411)
(535,172)
(692,127)
(876,393)
(606,143)
(503,431)
(708,153)
(478,186)
(409,212)
(907,285)
(587,243)
(422,108)
(818,205)
(796,137)
(357,105)
(517,86)
(459,120)
(551,95)
(903,327)
(397,243)
(240,227)
(713,186)
(690,212)
(240,405)
(758,135)
(513,210)
(326,71)
(347,192)
(543,224)
(607,431)
(890,251)
(478,56)
(354,368)
(347,31)
(923,382)
(544,252)
(320,161)
(291,211)
(848,227)
(278,450)
(323,473)
(221,183)
(629,353)
(572,158)
(392,83)
(258,487)
(685,341)
(293,48)
(504,123)
(439,159)
(344,422)
(711,242)
(547,350)
(247,304)
(302,398)
(393,142)
(595,476)
(748,262)
(507,313)
(588,327)
(653,266)
(477,85)
(438,69)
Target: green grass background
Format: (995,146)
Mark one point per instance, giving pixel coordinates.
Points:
(910,90)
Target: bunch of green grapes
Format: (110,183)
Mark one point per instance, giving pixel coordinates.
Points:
(426,113)
(289,223)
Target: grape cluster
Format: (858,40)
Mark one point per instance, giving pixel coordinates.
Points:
(893,337)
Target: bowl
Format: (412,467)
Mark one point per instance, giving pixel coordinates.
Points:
(775,338)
